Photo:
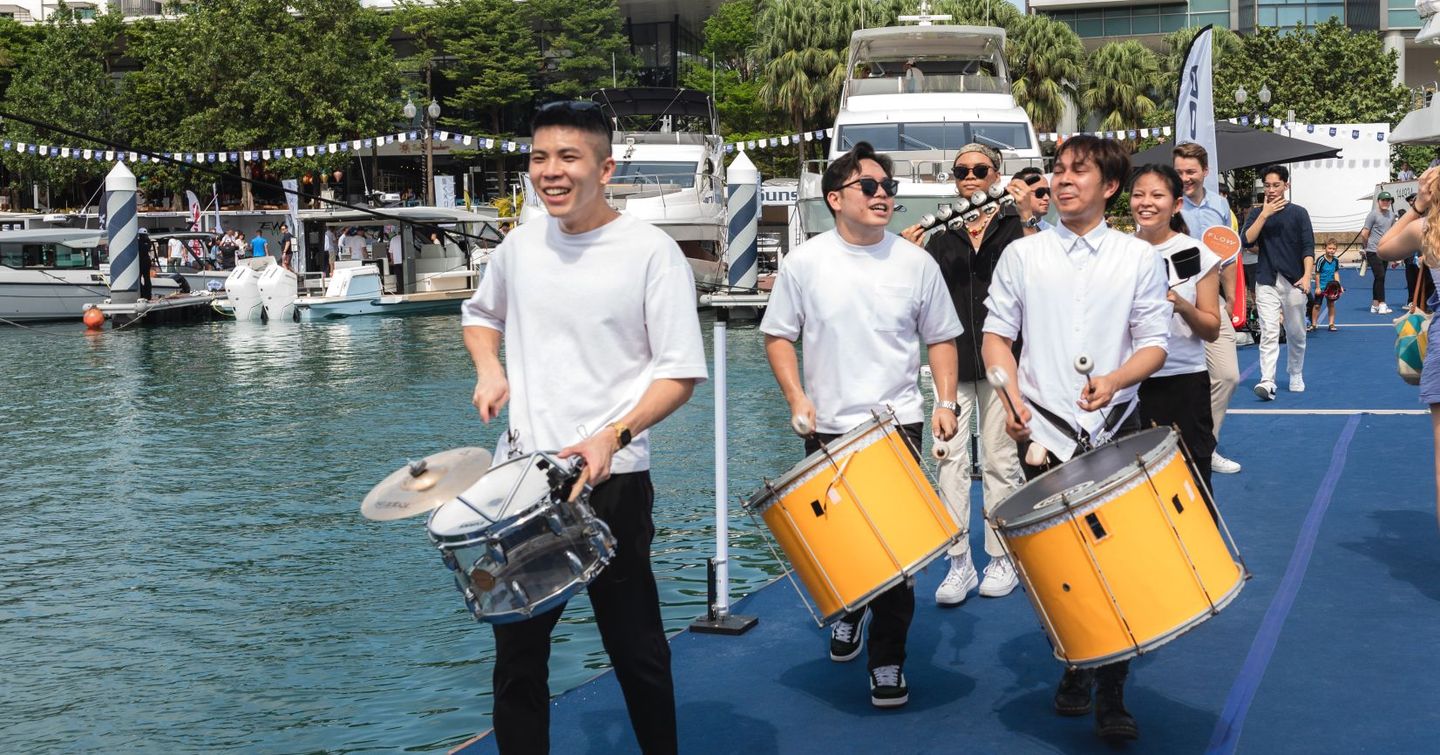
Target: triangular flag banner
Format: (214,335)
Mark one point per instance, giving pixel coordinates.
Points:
(1334,130)
(264,154)
(1355,134)
(132,157)
(443,136)
(465,140)
(1310,129)
(809,137)
(1380,136)
(1166,130)
(729,148)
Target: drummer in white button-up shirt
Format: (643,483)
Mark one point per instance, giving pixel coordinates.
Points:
(1080,288)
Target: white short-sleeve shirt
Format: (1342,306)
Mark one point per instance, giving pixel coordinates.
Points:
(1185,351)
(1101,295)
(861,313)
(590,320)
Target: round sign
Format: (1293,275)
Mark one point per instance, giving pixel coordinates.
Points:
(1222,240)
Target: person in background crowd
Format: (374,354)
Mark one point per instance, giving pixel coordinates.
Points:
(1039,197)
(1286,241)
(1377,224)
(1327,279)
(1405,174)
(1202,212)
(258,246)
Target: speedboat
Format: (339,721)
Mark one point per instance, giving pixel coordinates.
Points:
(54,273)
(669,171)
(242,288)
(921,121)
(351,291)
(278,288)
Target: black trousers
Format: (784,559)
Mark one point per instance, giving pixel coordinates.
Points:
(1183,401)
(627,612)
(1377,271)
(891,611)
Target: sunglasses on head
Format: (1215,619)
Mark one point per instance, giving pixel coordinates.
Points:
(868,186)
(963,172)
(1041,192)
(577,106)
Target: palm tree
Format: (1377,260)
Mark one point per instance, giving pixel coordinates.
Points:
(802,44)
(1045,58)
(976,12)
(1120,84)
(1227,61)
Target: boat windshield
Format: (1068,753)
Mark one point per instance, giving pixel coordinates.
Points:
(48,255)
(644,172)
(908,137)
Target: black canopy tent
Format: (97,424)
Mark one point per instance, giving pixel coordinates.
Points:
(1245,147)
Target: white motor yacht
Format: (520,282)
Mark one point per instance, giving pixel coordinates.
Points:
(53,273)
(278,288)
(961,95)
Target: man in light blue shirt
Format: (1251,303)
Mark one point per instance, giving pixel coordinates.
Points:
(1202,211)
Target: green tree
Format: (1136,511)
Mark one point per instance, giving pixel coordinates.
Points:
(582,42)
(979,12)
(494,59)
(63,81)
(1046,61)
(1120,84)
(1228,63)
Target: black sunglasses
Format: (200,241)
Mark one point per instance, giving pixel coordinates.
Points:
(1041,192)
(963,172)
(868,186)
(577,106)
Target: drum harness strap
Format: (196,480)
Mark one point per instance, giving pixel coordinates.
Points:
(1083,440)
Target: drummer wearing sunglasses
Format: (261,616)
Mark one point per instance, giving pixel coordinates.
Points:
(597,313)
(1081,289)
(967,258)
(863,299)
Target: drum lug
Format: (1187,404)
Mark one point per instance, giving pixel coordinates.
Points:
(521,596)
(556,525)
(496,552)
(576,566)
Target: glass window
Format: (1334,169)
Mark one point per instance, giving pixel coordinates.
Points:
(1323,11)
(1289,16)
(884,137)
(1198,6)
(1265,17)
(636,172)
(933,136)
(1117,27)
(1089,28)
(11,255)
(1002,135)
(1145,10)
(1172,22)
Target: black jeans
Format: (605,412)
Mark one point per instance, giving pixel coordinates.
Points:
(627,612)
(891,611)
(1183,401)
(1377,270)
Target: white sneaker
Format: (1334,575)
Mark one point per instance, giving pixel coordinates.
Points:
(1297,384)
(958,583)
(1383,309)
(1265,390)
(1000,578)
(1221,465)
(1374,309)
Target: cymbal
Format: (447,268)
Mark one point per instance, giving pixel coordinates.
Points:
(423,485)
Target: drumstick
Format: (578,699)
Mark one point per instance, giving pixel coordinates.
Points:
(938,450)
(998,379)
(800,425)
(579,484)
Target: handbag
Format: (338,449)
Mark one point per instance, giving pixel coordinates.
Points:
(1411,336)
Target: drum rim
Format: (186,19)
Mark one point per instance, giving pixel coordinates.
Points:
(499,525)
(1044,510)
(772,491)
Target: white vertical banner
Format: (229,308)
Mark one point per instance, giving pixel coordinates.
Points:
(444,191)
(292,202)
(197,249)
(1195,104)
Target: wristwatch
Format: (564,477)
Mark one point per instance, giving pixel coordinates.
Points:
(951,405)
(622,435)
(1033,222)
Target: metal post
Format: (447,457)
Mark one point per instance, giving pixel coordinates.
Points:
(718,619)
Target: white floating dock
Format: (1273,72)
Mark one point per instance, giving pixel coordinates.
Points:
(197,306)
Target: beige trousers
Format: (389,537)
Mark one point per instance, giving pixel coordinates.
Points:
(999,462)
(1224,371)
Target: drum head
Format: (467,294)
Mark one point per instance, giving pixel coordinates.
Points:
(1082,478)
(505,491)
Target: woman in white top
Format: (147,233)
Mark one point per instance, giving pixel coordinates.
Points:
(1179,392)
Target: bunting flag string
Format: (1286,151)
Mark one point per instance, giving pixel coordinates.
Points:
(1257,120)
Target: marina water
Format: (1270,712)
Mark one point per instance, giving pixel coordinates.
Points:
(183,566)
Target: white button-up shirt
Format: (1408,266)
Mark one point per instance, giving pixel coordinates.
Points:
(1101,295)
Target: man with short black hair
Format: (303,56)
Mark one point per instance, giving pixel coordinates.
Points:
(597,313)
(1286,263)
(863,299)
(1081,288)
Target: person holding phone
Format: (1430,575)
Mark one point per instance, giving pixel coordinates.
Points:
(1285,239)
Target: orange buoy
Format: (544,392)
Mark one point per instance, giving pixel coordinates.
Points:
(93,318)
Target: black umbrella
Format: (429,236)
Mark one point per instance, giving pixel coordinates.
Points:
(1245,147)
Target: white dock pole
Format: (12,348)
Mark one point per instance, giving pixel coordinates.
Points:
(719,619)
(122,228)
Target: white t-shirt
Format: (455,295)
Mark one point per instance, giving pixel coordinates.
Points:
(862,311)
(1185,351)
(396,255)
(589,320)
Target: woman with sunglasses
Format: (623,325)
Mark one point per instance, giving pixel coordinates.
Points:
(863,298)
(967,258)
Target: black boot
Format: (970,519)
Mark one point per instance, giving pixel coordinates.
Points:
(1113,723)
(1072,698)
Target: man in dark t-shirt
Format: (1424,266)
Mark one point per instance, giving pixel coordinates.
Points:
(1285,264)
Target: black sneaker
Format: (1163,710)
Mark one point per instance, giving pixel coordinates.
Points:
(887,687)
(1072,698)
(847,636)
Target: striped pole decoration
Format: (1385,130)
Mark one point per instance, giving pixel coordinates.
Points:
(121,226)
(743,212)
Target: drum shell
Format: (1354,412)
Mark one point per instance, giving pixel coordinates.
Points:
(858,521)
(1135,564)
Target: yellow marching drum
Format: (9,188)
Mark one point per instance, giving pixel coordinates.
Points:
(1119,549)
(856,517)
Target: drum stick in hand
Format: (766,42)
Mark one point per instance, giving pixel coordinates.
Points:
(800,425)
(998,380)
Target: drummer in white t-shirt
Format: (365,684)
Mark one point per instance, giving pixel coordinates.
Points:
(863,299)
(602,341)
(1179,393)
(1080,288)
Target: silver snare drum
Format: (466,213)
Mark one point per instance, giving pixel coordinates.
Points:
(516,548)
